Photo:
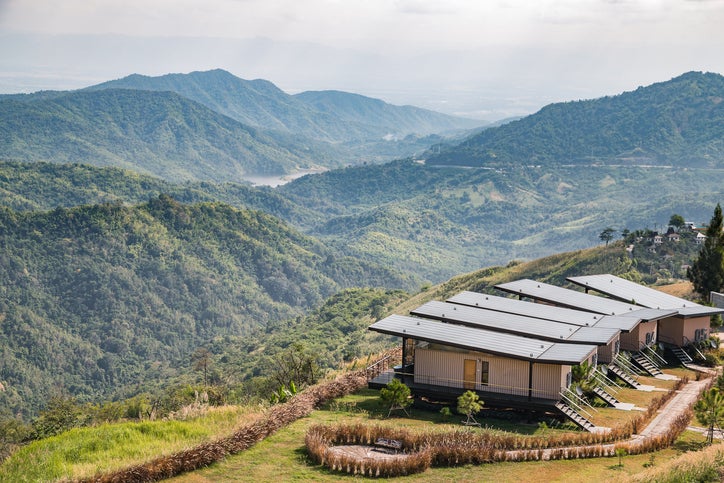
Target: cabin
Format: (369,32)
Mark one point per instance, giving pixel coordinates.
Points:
(441,360)
(642,323)
(689,324)
(607,339)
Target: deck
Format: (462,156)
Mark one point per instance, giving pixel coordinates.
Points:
(445,393)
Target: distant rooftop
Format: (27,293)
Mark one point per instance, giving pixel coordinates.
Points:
(582,301)
(627,290)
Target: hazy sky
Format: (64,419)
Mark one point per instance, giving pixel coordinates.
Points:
(482,58)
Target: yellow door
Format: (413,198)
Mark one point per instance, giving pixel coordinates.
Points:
(471,366)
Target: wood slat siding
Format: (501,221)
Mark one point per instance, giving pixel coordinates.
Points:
(506,375)
(605,352)
(633,340)
(548,379)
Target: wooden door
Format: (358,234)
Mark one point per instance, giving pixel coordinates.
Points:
(469,373)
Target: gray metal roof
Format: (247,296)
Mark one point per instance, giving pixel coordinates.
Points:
(566,297)
(517,324)
(624,323)
(488,341)
(520,307)
(623,289)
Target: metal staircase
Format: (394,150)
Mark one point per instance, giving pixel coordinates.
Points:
(646,363)
(575,416)
(682,355)
(603,394)
(625,376)
(605,387)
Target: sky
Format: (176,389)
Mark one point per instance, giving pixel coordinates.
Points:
(485,59)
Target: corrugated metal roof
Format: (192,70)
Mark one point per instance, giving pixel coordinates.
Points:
(627,290)
(625,323)
(520,307)
(517,324)
(476,339)
(566,297)
(645,314)
(621,322)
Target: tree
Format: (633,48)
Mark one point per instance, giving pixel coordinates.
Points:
(202,359)
(709,409)
(295,365)
(707,271)
(397,395)
(607,235)
(469,404)
(677,221)
(581,376)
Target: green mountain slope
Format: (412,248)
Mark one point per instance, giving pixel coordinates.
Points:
(159,133)
(679,122)
(397,120)
(100,297)
(328,116)
(44,186)
(440,221)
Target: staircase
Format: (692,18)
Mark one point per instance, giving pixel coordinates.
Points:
(609,398)
(624,376)
(682,355)
(575,416)
(645,363)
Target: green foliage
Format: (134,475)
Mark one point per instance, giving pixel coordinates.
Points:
(677,221)
(396,395)
(673,122)
(606,235)
(354,124)
(709,410)
(707,271)
(159,133)
(469,404)
(60,414)
(110,301)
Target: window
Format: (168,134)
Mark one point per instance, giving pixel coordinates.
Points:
(594,360)
(484,373)
(617,347)
(569,379)
(699,334)
(409,352)
(649,338)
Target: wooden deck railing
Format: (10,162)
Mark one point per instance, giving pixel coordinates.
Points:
(384,363)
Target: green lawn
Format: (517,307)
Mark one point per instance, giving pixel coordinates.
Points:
(282,456)
(83,452)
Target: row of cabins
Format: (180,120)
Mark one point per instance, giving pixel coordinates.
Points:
(519,353)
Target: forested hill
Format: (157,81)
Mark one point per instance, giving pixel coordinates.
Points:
(159,133)
(679,122)
(98,297)
(260,103)
(43,186)
(399,120)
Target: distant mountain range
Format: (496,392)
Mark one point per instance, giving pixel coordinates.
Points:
(211,126)
(330,116)
(442,216)
(678,122)
(159,133)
